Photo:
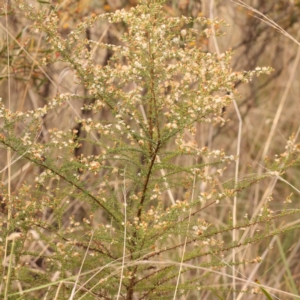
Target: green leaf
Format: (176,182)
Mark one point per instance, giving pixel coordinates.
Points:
(268,296)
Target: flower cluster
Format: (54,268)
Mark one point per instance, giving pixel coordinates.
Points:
(128,160)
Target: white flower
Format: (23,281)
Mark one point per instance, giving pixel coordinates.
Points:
(138,65)
(176,40)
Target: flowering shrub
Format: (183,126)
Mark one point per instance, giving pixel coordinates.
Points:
(130,161)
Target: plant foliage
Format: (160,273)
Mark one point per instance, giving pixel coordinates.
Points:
(132,162)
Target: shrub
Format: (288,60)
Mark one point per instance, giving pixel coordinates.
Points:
(132,166)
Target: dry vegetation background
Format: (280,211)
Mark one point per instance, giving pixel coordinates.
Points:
(269,107)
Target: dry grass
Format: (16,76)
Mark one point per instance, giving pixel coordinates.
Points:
(269,113)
